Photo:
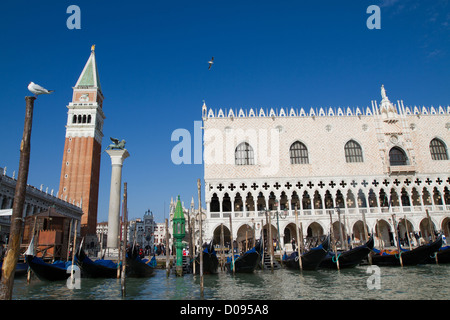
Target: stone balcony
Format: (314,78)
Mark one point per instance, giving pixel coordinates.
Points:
(402,169)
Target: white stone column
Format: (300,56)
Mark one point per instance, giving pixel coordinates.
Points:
(117,158)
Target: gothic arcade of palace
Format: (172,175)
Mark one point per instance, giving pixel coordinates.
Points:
(384,165)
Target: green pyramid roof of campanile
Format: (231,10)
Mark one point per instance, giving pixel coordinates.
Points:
(89,76)
(178,210)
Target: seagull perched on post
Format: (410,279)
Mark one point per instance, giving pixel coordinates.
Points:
(210,63)
(37,89)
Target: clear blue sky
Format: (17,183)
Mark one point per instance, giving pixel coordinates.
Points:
(152,59)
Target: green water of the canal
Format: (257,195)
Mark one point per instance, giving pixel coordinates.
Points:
(423,282)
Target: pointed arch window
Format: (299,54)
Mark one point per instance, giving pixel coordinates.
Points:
(397,157)
(244,154)
(438,150)
(353,152)
(298,153)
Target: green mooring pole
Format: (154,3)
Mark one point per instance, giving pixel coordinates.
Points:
(178,233)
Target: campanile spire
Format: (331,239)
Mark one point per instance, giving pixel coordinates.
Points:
(80,172)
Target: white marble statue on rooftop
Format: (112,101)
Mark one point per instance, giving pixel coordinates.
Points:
(383,92)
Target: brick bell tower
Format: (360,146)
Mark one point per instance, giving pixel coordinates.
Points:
(80,172)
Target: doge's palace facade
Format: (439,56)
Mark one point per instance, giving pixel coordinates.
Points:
(385,164)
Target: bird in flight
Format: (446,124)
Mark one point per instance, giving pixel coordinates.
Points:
(37,89)
(210,63)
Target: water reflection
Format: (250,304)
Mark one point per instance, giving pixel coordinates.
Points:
(427,282)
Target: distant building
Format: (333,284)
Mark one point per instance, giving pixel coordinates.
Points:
(160,233)
(36,201)
(102,234)
(141,229)
(368,163)
(149,226)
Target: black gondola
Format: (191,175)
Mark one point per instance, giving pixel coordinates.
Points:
(443,256)
(56,271)
(137,267)
(21,269)
(310,259)
(246,262)
(349,258)
(413,257)
(210,261)
(95,269)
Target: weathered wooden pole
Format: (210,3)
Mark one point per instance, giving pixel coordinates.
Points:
(191,210)
(124,239)
(333,240)
(351,233)
(32,239)
(302,245)
(270,240)
(272,249)
(398,240)
(201,235)
(430,226)
(379,234)
(68,242)
(341,235)
(262,243)
(194,247)
(407,232)
(119,248)
(254,234)
(13,251)
(246,241)
(345,233)
(300,264)
(232,246)
(366,233)
(74,248)
(167,249)
(222,244)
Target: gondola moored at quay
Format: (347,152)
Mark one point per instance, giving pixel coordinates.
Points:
(95,269)
(137,267)
(349,258)
(310,259)
(412,257)
(442,256)
(57,271)
(210,260)
(246,262)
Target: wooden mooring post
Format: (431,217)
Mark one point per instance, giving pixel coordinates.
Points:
(68,242)
(222,244)
(300,263)
(167,249)
(431,230)
(232,246)
(13,251)
(269,239)
(32,239)
(74,249)
(201,235)
(124,240)
(333,240)
(397,236)
(262,243)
